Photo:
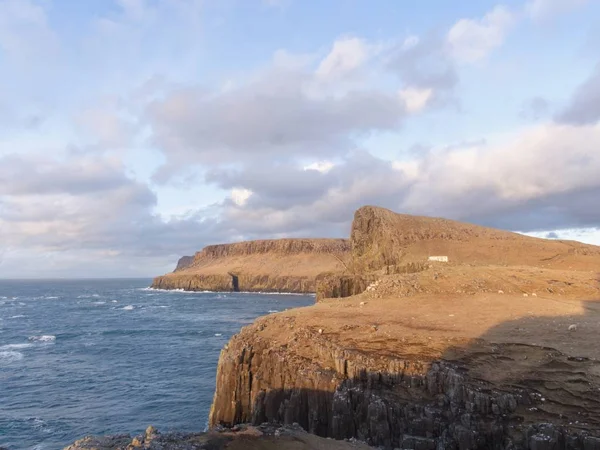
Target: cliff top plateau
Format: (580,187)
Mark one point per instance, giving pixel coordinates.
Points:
(494,349)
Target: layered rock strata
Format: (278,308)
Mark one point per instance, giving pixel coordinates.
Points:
(493,349)
(413,398)
(283,265)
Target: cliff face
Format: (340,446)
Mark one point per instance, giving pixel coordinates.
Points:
(284,247)
(493,350)
(382,239)
(416,391)
(184,262)
(282,265)
(245,283)
(386,243)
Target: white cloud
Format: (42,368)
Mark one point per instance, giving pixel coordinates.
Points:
(346,56)
(320,166)
(279,113)
(240,196)
(542,178)
(586,235)
(416,99)
(471,40)
(544,9)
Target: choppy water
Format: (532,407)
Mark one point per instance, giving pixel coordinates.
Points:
(108,356)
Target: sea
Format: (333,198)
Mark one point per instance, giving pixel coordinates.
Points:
(81,357)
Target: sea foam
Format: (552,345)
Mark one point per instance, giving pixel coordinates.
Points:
(15,346)
(10,356)
(43,338)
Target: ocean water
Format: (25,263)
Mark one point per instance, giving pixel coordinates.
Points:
(110,356)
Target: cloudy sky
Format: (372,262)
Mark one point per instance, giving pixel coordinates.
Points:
(136,131)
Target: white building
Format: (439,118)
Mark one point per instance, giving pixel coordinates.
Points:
(438,258)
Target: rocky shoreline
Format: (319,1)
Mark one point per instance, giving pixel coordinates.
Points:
(241,437)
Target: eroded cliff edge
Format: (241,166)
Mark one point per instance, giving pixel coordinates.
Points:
(279,265)
(495,349)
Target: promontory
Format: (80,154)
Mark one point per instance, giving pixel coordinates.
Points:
(278,265)
(463,337)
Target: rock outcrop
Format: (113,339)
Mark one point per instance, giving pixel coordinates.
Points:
(282,265)
(264,437)
(184,262)
(417,393)
(382,239)
(385,243)
(491,350)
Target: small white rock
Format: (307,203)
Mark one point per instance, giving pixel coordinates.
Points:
(525,295)
(320,330)
(534,295)
(362,303)
(500,291)
(572,327)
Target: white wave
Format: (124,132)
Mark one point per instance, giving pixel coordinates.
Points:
(21,304)
(43,338)
(15,346)
(218,334)
(4,298)
(228,292)
(18,316)
(10,356)
(41,425)
(98,303)
(114,301)
(128,308)
(51,298)
(273,311)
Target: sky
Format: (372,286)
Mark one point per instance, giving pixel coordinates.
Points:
(136,131)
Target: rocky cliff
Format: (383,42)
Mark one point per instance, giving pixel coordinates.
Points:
(386,243)
(281,265)
(382,239)
(493,350)
(426,384)
(184,262)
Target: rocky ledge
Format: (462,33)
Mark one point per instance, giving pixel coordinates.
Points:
(263,437)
